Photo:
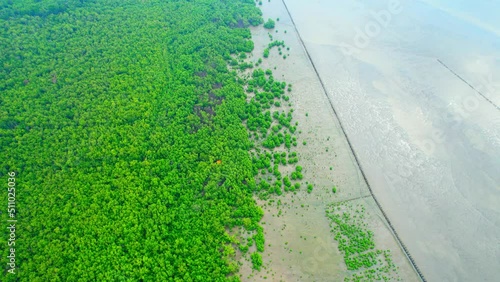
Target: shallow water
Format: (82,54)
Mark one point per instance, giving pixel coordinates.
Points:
(428,143)
(299,242)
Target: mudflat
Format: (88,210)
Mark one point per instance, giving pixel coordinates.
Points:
(299,243)
(417,90)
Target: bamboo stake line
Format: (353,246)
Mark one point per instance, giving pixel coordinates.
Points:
(391,227)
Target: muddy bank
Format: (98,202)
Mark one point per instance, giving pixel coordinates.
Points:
(302,247)
(428,143)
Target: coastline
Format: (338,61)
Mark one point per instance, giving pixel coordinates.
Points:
(290,257)
(426,140)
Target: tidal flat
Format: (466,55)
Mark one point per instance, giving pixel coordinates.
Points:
(299,243)
(428,142)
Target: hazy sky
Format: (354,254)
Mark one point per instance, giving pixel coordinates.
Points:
(482,13)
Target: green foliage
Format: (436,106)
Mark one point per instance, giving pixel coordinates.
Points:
(115,115)
(245,65)
(128,129)
(309,188)
(266,53)
(276,44)
(256,261)
(259,239)
(286,181)
(276,131)
(357,244)
(37,8)
(244,248)
(271,45)
(269,24)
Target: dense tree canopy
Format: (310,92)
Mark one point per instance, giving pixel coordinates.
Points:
(269,24)
(124,126)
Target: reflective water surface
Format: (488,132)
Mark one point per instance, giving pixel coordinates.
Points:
(428,142)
